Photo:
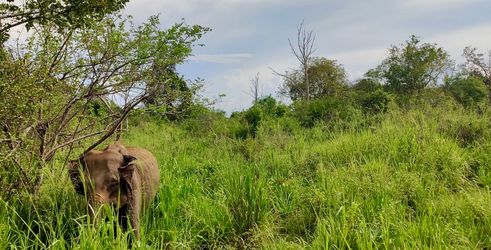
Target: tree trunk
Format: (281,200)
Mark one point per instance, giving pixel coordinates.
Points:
(306,79)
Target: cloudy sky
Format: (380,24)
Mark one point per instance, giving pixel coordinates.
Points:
(251,36)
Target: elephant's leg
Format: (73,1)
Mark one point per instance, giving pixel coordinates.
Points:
(123,213)
(135,221)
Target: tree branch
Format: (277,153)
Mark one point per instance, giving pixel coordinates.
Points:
(117,124)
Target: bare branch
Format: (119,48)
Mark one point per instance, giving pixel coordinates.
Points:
(254,88)
(110,132)
(303,51)
(69,142)
(61,49)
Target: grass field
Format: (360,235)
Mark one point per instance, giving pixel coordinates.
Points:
(405,179)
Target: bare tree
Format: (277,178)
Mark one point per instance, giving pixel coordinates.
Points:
(303,51)
(254,88)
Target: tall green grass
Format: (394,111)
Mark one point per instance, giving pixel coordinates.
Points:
(405,179)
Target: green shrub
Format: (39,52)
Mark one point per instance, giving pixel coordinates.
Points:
(367,85)
(327,110)
(265,109)
(375,102)
(467,90)
(204,121)
(428,99)
(271,108)
(253,117)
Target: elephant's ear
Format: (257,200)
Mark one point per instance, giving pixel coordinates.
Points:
(128,159)
(74,170)
(126,171)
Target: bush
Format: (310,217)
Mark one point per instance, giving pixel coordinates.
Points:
(375,102)
(253,116)
(327,109)
(204,121)
(271,107)
(425,99)
(467,90)
(367,85)
(265,109)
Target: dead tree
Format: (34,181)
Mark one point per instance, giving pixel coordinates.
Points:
(303,50)
(254,88)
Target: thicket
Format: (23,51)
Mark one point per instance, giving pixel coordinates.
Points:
(74,88)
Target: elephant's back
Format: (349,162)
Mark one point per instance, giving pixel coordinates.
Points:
(148,170)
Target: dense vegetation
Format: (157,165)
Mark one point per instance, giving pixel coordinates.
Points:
(400,158)
(404,179)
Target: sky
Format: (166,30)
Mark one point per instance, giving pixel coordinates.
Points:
(250,37)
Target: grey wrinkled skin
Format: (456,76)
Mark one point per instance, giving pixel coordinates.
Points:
(127,178)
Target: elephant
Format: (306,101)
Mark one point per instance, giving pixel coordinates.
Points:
(127,178)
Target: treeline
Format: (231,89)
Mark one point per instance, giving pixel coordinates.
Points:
(414,75)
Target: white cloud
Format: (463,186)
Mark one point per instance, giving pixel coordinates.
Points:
(439,3)
(197,7)
(221,58)
(357,62)
(235,83)
(455,41)
(361,57)
(144,6)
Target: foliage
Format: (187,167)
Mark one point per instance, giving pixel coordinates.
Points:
(173,96)
(412,66)
(63,14)
(57,79)
(477,66)
(375,102)
(367,85)
(467,90)
(427,99)
(326,78)
(265,108)
(203,121)
(405,182)
(327,110)
(370,96)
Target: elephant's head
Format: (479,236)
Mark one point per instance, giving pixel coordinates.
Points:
(105,177)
